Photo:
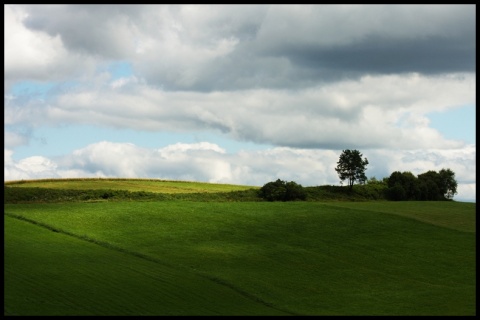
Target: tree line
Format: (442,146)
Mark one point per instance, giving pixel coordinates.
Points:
(431,185)
(399,186)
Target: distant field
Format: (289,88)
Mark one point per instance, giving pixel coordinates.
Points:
(178,257)
(148,185)
(448,214)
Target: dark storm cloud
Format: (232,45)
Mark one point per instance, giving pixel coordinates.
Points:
(378,55)
(228,47)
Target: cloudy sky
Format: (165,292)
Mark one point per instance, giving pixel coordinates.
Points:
(241,94)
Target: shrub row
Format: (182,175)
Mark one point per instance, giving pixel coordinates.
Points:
(273,191)
(16,195)
(365,192)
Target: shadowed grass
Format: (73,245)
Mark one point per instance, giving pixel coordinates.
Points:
(448,214)
(309,258)
(53,273)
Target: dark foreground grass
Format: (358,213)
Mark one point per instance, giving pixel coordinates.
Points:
(304,258)
(56,274)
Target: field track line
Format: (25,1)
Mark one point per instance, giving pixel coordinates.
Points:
(148,258)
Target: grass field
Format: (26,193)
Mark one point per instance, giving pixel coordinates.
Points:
(147,185)
(240,258)
(56,274)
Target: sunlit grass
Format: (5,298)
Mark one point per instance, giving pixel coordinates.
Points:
(147,185)
(308,258)
(53,274)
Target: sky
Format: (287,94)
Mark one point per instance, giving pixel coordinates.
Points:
(239,94)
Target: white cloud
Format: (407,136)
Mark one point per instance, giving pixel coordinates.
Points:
(185,147)
(35,55)
(123,81)
(13,139)
(374,112)
(35,167)
(7,157)
(466,192)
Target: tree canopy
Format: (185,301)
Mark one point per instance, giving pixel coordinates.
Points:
(431,185)
(351,167)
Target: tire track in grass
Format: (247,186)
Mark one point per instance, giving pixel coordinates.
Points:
(151,259)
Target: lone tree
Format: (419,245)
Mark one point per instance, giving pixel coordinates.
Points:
(350,166)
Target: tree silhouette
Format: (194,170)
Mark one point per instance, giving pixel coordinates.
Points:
(351,167)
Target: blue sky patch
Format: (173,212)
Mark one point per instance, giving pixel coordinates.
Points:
(458,123)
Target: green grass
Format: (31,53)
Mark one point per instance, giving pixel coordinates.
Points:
(447,214)
(132,185)
(245,258)
(56,274)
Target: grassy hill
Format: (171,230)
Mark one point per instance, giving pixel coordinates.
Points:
(178,257)
(100,189)
(94,189)
(132,185)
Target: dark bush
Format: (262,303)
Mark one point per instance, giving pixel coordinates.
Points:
(294,191)
(282,191)
(397,193)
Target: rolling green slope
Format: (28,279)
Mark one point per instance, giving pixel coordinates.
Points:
(305,258)
(51,273)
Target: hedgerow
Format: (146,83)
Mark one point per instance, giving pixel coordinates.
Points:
(39,195)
